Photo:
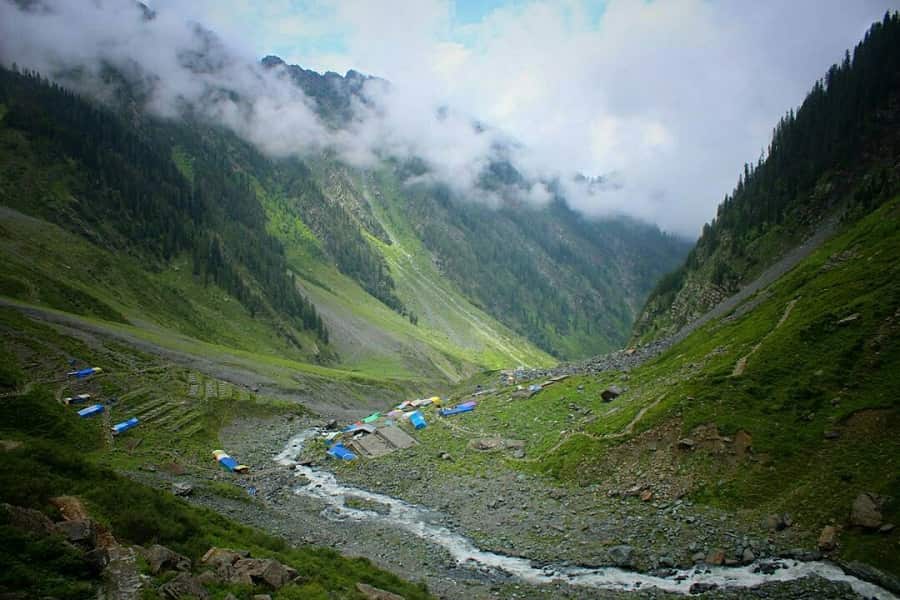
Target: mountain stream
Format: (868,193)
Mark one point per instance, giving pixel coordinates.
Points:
(418,521)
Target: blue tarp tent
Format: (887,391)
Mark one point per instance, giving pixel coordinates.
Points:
(417,420)
(125,425)
(90,411)
(340,451)
(84,372)
(460,408)
(228,462)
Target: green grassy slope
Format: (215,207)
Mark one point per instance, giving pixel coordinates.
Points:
(821,355)
(62,455)
(451,338)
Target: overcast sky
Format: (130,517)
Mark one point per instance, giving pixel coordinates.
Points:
(665,98)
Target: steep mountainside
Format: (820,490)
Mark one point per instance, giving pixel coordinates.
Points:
(408,278)
(839,152)
(569,284)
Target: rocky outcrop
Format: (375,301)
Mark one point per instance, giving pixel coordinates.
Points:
(160,558)
(182,587)
(239,568)
(866,511)
(28,519)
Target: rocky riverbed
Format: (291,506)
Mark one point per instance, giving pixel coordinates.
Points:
(508,513)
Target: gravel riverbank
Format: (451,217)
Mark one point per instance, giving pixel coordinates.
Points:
(504,512)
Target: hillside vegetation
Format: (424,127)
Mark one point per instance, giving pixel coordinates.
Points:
(837,152)
(787,405)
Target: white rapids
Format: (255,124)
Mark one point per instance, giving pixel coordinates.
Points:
(417,520)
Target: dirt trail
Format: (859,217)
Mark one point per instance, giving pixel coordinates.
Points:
(741,365)
(627,430)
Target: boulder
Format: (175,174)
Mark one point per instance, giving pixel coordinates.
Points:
(262,597)
(266,570)
(183,586)
(747,556)
(647,495)
(208,578)
(218,557)
(715,557)
(866,511)
(611,393)
(182,488)
(828,539)
(373,593)
(79,531)
(700,588)
(778,522)
(622,555)
(686,444)
(28,519)
(160,558)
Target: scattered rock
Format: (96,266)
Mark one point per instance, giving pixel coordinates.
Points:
(219,557)
(208,578)
(647,495)
(828,539)
(776,522)
(873,575)
(374,593)
(716,557)
(262,597)
(700,588)
(79,531)
(28,519)
(686,444)
(665,562)
(866,511)
(183,586)
(622,555)
(445,456)
(611,393)
(160,558)
(271,572)
(182,488)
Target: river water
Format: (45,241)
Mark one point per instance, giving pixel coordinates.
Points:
(420,521)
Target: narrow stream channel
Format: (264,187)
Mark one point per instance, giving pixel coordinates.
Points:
(418,521)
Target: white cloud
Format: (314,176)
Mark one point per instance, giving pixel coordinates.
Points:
(665,99)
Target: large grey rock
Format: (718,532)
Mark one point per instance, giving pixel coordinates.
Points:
(182,488)
(264,570)
(866,511)
(622,556)
(778,522)
(701,588)
(160,558)
(80,531)
(182,587)
(218,557)
(611,393)
(28,519)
